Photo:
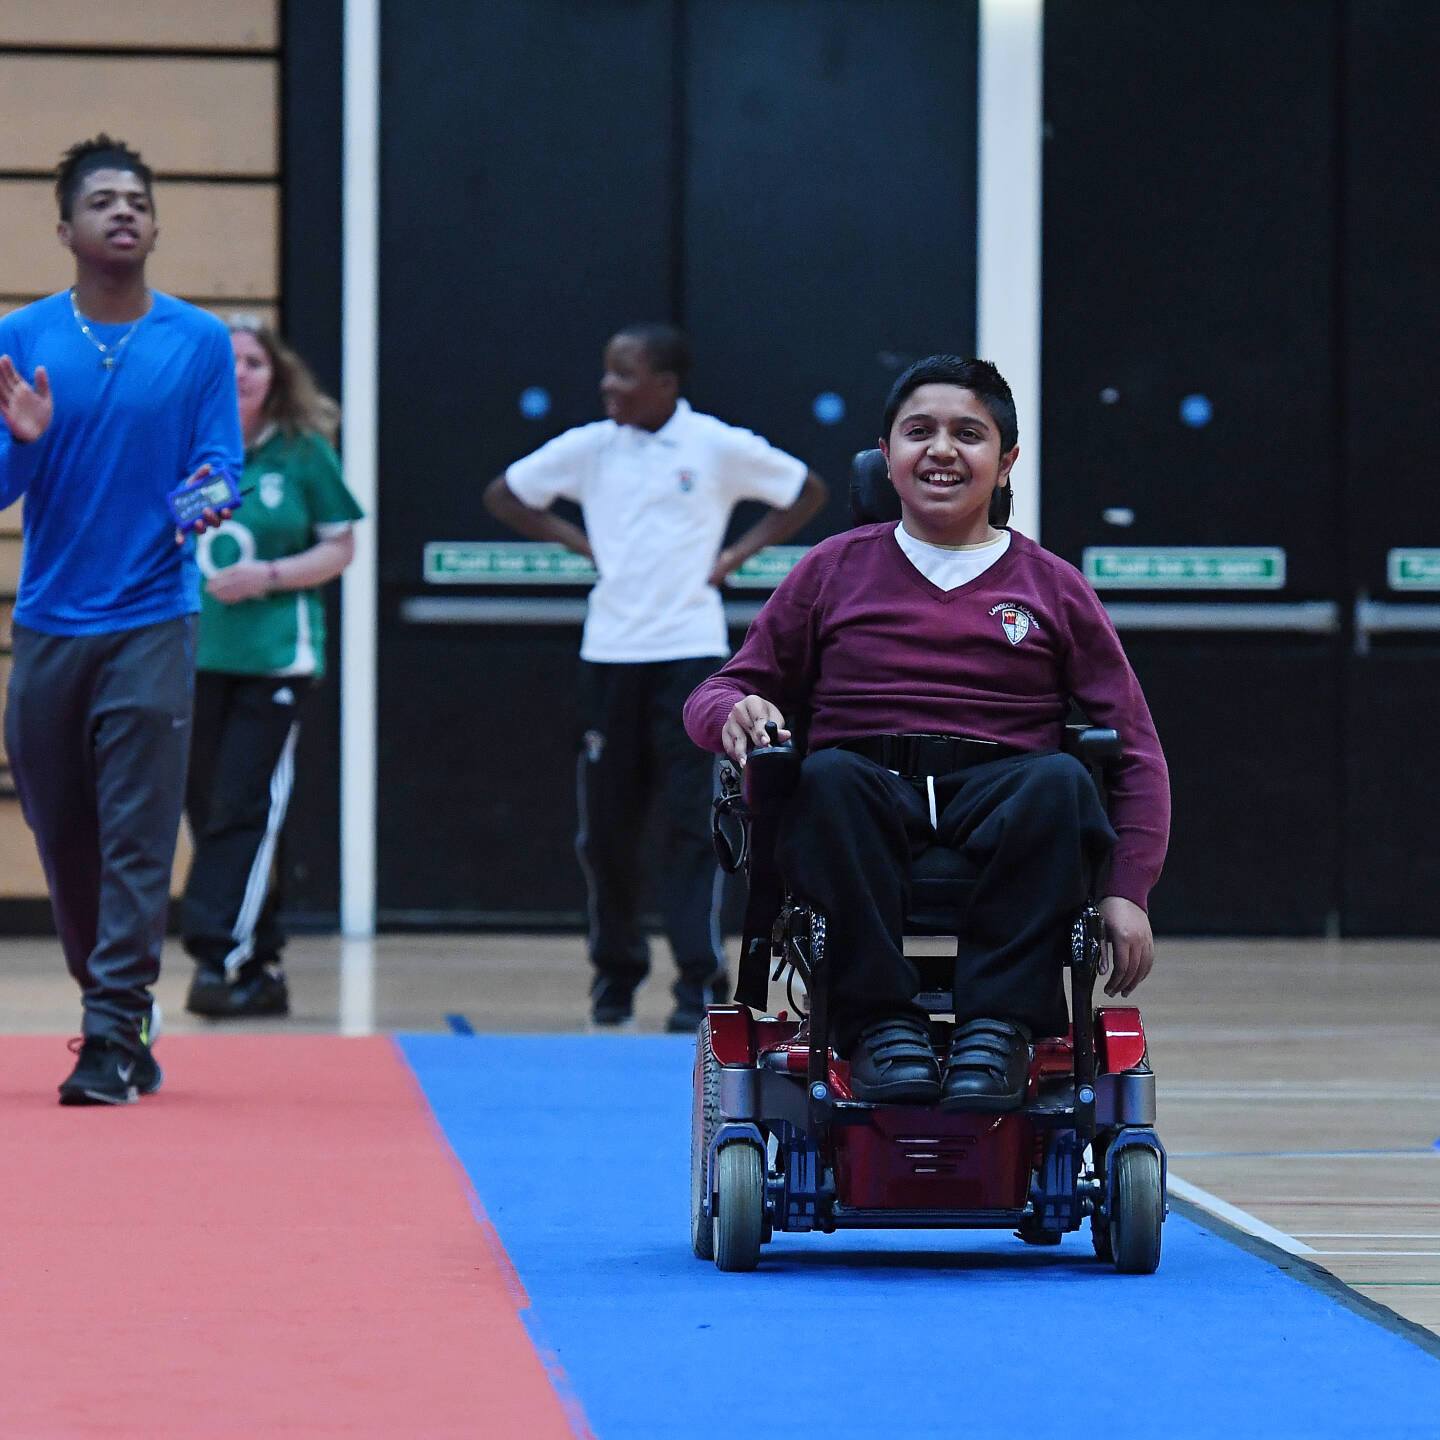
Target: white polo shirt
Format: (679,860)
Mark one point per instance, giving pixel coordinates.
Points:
(656,507)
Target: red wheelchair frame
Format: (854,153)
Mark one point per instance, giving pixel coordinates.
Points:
(779,1143)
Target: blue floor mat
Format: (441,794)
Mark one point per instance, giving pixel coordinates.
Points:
(578,1147)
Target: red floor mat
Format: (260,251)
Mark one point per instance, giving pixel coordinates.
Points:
(279,1243)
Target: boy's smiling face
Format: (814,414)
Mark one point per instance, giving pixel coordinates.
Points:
(945,462)
(632,390)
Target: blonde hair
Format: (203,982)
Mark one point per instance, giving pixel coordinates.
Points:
(295,403)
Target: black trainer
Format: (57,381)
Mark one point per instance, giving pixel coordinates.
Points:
(893,1062)
(612,1001)
(691,998)
(989,1067)
(109,1073)
(259,989)
(209,992)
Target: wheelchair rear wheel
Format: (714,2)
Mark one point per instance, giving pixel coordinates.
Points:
(1137,1210)
(704,1121)
(739,1221)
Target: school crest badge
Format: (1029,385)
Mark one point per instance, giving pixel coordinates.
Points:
(1015,620)
(687,481)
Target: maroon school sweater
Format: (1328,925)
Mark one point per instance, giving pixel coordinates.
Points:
(857,637)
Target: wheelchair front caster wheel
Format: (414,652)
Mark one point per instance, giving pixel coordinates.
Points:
(1033,1233)
(1137,1210)
(739,1220)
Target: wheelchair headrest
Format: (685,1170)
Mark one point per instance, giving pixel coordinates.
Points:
(872,496)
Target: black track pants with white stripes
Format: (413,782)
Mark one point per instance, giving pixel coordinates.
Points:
(242,772)
(635,755)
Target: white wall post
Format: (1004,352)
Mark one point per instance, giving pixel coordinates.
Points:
(1008,261)
(359,393)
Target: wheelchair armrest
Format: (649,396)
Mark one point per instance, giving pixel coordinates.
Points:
(1092,746)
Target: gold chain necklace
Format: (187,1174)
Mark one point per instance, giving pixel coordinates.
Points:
(109,355)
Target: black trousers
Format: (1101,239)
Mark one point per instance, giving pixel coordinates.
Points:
(97,728)
(635,754)
(1031,834)
(242,773)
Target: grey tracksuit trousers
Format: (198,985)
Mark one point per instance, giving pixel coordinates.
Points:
(98,732)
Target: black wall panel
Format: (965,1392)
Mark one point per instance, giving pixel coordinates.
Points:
(792,180)
(829,232)
(1250,728)
(1391,357)
(487,775)
(527,211)
(1189,248)
(1392,779)
(310,278)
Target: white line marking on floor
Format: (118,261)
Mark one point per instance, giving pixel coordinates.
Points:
(1432,1254)
(1284,1090)
(1237,1217)
(1427,1155)
(1362,1235)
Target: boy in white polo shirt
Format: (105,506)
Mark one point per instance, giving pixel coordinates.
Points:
(656,483)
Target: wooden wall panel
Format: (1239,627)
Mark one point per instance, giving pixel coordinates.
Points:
(216,240)
(209,118)
(9,563)
(186,116)
(137,24)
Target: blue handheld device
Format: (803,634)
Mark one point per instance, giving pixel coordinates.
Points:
(217,491)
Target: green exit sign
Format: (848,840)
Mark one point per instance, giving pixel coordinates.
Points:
(504,562)
(533,562)
(1413,569)
(1184,567)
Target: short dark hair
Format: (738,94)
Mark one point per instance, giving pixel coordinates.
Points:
(85,157)
(980,377)
(666,347)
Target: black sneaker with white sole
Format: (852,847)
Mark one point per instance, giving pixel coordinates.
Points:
(108,1072)
(612,1002)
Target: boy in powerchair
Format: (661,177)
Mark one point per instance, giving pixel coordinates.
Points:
(934,662)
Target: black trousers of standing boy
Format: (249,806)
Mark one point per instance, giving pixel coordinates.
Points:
(635,753)
(97,728)
(242,773)
(1031,834)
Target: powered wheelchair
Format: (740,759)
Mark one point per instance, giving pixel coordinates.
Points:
(778,1142)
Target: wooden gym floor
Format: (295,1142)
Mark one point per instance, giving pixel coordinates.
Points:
(1299,1081)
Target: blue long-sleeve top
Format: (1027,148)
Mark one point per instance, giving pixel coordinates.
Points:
(100,552)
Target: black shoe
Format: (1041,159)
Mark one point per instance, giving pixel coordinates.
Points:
(691,998)
(893,1062)
(259,989)
(209,992)
(612,1002)
(989,1067)
(108,1072)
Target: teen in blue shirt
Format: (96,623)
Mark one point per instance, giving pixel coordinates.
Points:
(111,395)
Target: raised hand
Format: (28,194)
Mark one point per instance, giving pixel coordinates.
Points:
(25,408)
